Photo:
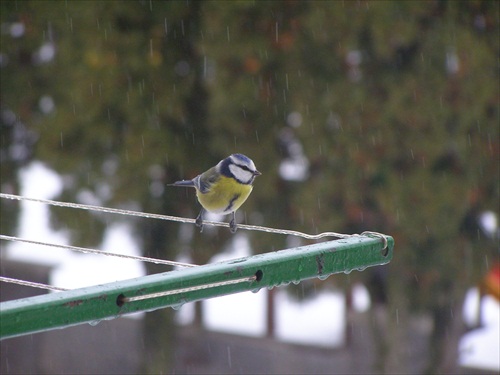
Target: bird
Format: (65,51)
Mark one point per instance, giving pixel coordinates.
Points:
(223,188)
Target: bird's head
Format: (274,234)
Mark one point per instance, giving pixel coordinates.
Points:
(239,167)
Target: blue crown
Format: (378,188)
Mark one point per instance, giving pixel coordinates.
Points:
(242,157)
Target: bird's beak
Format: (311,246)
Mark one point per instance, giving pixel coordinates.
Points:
(256,173)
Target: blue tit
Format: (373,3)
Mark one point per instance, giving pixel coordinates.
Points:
(223,188)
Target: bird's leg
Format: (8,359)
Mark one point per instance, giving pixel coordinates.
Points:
(232,224)
(199,220)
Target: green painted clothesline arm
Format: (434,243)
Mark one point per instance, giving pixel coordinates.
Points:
(174,288)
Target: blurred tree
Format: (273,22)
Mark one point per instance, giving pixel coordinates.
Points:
(395,106)
(389,111)
(128,114)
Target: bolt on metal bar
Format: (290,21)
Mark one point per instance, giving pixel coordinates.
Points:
(174,288)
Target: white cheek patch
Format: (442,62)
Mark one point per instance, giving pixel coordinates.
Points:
(240,174)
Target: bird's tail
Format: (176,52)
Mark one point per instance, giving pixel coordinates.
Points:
(188,183)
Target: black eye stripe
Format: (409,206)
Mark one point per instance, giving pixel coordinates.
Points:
(244,167)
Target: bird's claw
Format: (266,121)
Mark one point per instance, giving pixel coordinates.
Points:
(233,226)
(199,222)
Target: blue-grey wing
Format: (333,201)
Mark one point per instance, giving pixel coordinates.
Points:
(204,181)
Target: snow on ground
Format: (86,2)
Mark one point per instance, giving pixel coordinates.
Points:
(37,182)
(296,321)
(315,321)
(80,270)
(480,348)
(71,269)
(240,313)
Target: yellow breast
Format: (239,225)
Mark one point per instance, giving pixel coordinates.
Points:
(225,196)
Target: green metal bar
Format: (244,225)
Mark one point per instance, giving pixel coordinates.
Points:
(174,288)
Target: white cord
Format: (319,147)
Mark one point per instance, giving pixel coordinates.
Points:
(188,289)
(100,252)
(31,284)
(174,218)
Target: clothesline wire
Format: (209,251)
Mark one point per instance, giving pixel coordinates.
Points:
(32,284)
(173,218)
(95,251)
(188,289)
(150,216)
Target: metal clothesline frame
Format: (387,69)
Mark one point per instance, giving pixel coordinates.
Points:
(174,288)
